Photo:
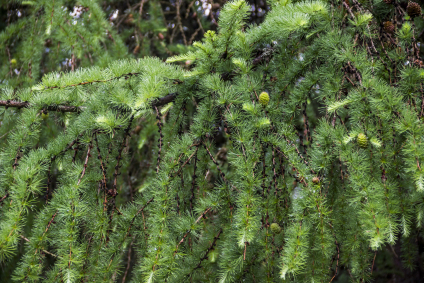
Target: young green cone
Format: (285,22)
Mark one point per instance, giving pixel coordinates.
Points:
(362,140)
(275,228)
(264,98)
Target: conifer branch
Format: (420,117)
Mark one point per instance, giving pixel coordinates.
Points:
(133,219)
(102,165)
(44,251)
(24,104)
(216,163)
(128,260)
(163,100)
(186,234)
(126,76)
(361,75)
(90,146)
(78,109)
(119,157)
(264,146)
(302,180)
(188,160)
(159,123)
(17,157)
(193,182)
(205,256)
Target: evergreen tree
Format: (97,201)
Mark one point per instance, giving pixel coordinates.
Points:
(289,150)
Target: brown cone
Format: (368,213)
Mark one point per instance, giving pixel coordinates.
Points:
(413,9)
(389,27)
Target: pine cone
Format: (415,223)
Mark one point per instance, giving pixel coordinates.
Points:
(362,140)
(315,180)
(413,9)
(389,27)
(275,228)
(264,98)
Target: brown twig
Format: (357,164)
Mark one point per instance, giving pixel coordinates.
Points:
(4,197)
(159,123)
(44,251)
(102,165)
(128,261)
(205,256)
(188,160)
(90,146)
(193,183)
(216,163)
(138,212)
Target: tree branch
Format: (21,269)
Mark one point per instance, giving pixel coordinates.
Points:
(24,104)
(47,252)
(69,108)
(164,100)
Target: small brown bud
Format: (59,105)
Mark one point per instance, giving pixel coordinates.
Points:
(315,180)
(161,37)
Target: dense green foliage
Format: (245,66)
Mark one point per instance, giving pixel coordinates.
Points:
(208,178)
(62,35)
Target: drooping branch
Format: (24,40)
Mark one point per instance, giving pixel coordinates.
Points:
(208,250)
(188,231)
(69,108)
(47,252)
(25,104)
(164,100)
